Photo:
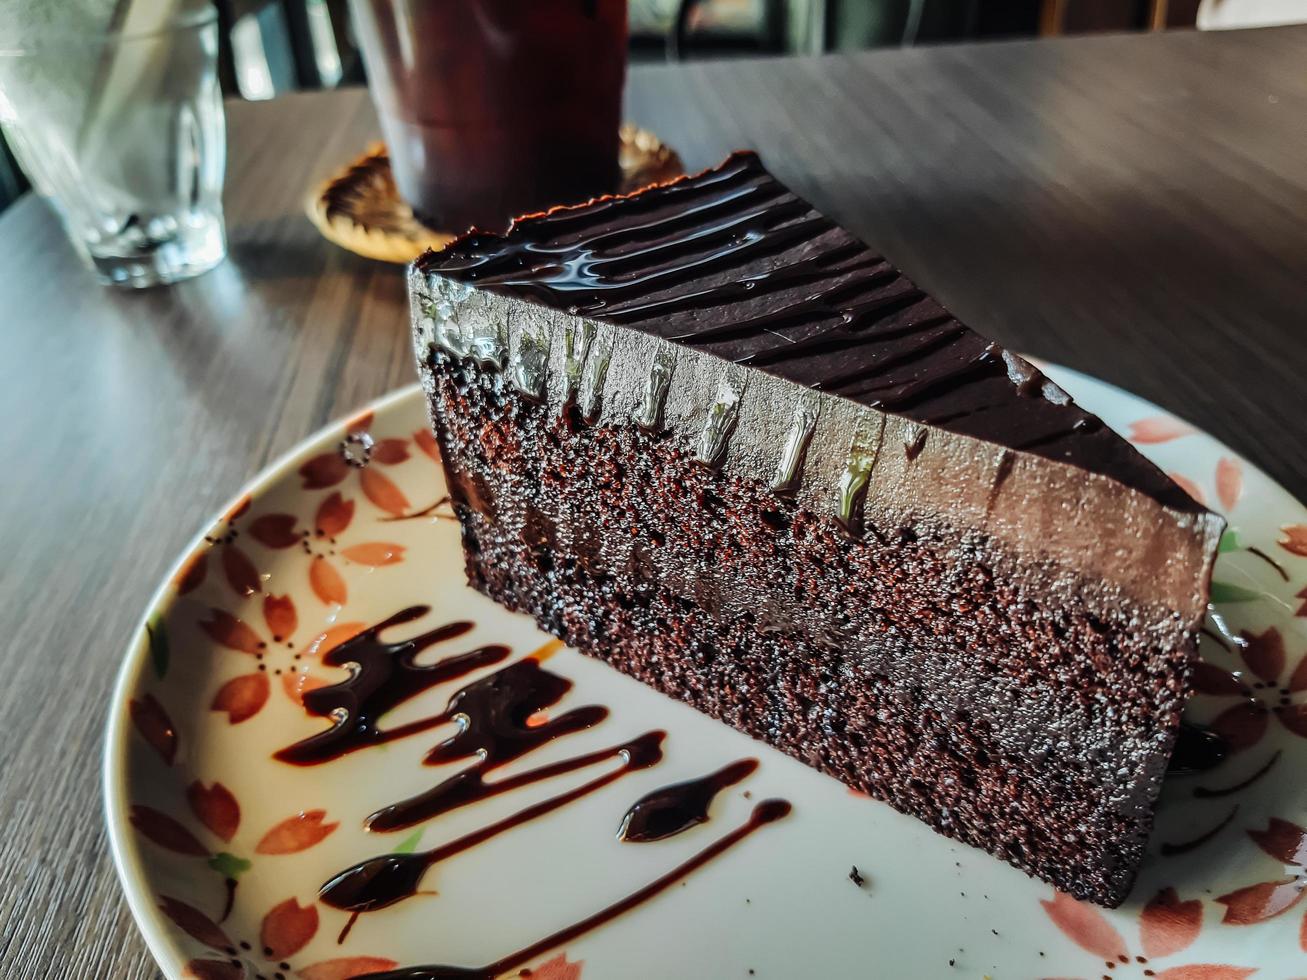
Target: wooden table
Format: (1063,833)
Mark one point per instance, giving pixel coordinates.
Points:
(1135,207)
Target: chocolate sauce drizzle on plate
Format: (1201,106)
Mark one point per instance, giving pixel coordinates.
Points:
(383,676)
(500,717)
(675,809)
(768,811)
(1197,749)
(495,715)
(383,881)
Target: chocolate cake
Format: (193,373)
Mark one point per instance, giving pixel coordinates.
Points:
(706,435)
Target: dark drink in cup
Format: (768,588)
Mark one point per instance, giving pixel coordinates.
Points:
(495,108)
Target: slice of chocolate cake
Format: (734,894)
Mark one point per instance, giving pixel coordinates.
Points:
(706,435)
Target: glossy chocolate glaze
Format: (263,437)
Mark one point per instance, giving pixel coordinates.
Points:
(731,262)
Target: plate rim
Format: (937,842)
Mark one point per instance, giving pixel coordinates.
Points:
(128,867)
(116,731)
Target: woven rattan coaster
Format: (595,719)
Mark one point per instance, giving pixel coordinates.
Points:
(360,208)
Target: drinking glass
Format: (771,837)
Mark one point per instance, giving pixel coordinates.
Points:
(493,108)
(123,131)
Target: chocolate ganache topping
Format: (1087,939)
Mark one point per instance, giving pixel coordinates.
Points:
(733,263)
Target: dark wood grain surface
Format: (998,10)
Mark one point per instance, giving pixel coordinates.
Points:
(1135,207)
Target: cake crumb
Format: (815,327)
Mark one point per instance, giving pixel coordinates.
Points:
(994,931)
(748,795)
(952,962)
(856,877)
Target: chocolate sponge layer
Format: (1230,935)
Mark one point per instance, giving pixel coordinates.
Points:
(923,664)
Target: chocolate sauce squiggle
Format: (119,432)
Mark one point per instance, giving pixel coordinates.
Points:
(675,809)
(384,676)
(382,881)
(768,811)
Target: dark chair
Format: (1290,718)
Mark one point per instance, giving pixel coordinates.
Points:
(273,46)
(12,181)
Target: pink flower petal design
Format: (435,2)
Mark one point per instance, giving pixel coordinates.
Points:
(1158,428)
(1168,925)
(324,471)
(242,697)
(213,970)
(275,530)
(1085,926)
(168,833)
(1282,840)
(1264,653)
(346,968)
(1298,681)
(1242,725)
(334,637)
(558,968)
(297,683)
(425,441)
(334,515)
(1206,971)
(194,923)
(1229,482)
(280,616)
(287,929)
(375,553)
(297,833)
(1294,718)
(225,629)
(328,585)
(390,451)
(1294,539)
(192,574)
(1262,901)
(378,488)
(1211,679)
(241,574)
(1189,487)
(360,422)
(215,807)
(153,724)
(238,510)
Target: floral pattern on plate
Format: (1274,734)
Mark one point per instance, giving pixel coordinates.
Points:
(222,849)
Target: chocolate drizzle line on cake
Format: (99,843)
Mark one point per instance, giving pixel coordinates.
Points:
(768,811)
(732,262)
(675,809)
(500,718)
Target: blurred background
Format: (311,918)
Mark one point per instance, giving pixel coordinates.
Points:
(269,47)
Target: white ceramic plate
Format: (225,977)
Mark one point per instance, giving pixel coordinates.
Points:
(221,849)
